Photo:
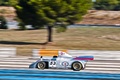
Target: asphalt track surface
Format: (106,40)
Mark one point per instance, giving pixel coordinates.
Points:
(99,66)
(16,68)
(105,66)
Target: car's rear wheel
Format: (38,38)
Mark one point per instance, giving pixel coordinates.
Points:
(41,65)
(77,66)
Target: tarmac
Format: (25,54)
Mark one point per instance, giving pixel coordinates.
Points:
(104,61)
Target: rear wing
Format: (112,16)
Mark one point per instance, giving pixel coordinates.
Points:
(47,52)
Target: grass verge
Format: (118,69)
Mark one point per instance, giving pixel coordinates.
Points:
(73,38)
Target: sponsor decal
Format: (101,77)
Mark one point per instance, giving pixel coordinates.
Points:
(65,63)
(61,53)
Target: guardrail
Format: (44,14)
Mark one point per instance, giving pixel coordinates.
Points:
(98,55)
(114,25)
(46,52)
(7,52)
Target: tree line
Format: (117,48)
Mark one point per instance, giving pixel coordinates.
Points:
(97,4)
(7,2)
(107,5)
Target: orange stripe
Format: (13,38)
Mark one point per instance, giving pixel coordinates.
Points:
(44,52)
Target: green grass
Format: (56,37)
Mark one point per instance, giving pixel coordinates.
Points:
(73,38)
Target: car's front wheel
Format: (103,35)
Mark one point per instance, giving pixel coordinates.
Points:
(77,66)
(41,65)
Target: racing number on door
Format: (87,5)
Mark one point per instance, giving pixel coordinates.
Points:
(53,63)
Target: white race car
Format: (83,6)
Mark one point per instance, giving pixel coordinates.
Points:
(62,61)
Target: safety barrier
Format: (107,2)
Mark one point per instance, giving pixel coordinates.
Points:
(46,52)
(98,54)
(7,51)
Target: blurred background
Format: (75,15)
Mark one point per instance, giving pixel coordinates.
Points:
(67,24)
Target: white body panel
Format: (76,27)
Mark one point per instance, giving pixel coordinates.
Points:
(63,61)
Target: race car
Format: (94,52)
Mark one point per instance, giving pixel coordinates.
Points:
(62,61)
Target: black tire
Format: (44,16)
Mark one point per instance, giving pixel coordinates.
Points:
(77,66)
(41,65)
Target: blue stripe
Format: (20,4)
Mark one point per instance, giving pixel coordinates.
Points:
(85,57)
(16,74)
